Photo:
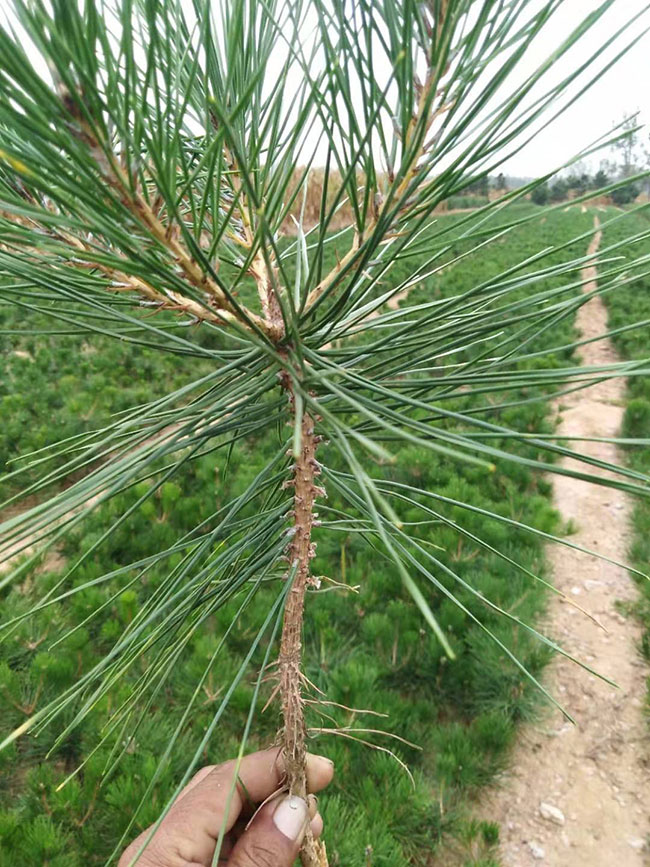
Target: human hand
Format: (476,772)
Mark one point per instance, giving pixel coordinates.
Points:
(188,834)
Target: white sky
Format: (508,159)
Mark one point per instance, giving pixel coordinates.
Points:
(624,89)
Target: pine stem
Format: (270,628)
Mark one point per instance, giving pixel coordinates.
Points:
(290,662)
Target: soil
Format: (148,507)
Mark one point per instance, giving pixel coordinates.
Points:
(592,778)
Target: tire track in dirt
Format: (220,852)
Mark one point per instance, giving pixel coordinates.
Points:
(579,796)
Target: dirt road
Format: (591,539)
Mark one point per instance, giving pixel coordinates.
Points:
(579,796)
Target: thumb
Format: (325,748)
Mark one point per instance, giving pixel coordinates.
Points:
(274,836)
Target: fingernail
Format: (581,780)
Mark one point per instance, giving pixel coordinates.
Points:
(324,759)
(312,803)
(290,817)
(326,765)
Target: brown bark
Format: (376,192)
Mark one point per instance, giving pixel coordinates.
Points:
(301,553)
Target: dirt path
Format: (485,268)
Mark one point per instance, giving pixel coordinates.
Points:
(579,796)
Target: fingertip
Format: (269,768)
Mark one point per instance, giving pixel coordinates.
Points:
(316,825)
(320,772)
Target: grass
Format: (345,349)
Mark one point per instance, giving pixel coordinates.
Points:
(367,649)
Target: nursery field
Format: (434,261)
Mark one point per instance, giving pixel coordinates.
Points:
(366,644)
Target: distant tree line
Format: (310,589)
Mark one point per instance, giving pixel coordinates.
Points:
(562,188)
(481,186)
(631,156)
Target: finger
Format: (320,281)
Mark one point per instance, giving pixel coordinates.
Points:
(206,809)
(259,776)
(316,825)
(273,838)
(262,774)
(211,803)
(320,772)
(198,776)
(216,801)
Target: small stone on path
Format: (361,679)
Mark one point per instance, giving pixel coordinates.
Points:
(536,851)
(637,843)
(551,813)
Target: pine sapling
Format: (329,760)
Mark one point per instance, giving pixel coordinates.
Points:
(151,158)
